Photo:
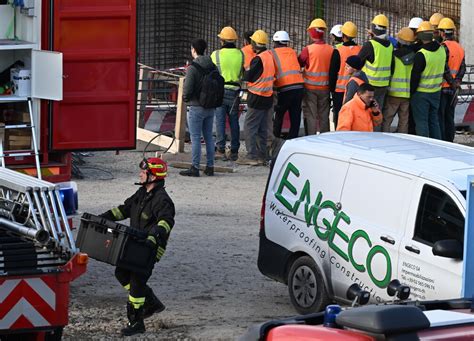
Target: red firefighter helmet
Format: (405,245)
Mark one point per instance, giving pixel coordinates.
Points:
(155,166)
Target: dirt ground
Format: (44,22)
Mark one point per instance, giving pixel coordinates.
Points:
(208,278)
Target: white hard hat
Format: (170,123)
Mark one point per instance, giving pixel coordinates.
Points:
(281,36)
(336,30)
(415,22)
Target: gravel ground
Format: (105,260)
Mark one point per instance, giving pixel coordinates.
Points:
(208,278)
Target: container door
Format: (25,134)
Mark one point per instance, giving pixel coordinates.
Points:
(47,77)
(98,41)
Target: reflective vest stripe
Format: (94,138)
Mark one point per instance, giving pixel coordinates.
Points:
(456,56)
(316,74)
(307,81)
(378,72)
(342,75)
(263,86)
(432,75)
(288,70)
(117,213)
(400,81)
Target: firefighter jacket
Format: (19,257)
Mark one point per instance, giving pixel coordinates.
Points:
(249,54)
(151,211)
(288,71)
(455,60)
(356,116)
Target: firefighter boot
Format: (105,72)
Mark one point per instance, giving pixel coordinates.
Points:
(135,321)
(152,304)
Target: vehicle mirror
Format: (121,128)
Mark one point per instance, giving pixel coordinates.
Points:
(395,288)
(357,295)
(449,248)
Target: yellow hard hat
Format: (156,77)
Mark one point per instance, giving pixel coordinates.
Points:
(260,37)
(317,23)
(380,20)
(406,34)
(349,29)
(228,33)
(435,19)
(446,24)
(425,26)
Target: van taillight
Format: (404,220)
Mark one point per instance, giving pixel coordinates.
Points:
(262,214)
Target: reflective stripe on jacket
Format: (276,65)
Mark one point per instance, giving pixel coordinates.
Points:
(456,55)
(342,76)
(263,86)
(400,81)
(379,71)
(432,75)
(249,54)
(316,75)
(229,62)
(288,69)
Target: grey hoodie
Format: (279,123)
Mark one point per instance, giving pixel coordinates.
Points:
(192,83)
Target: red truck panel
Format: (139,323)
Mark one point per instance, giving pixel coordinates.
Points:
(314,333)
(98,41)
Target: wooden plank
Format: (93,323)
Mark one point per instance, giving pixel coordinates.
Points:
(180,125)
(143,86)
(186,165)
(162,140)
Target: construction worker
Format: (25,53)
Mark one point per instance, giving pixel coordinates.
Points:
(152,210)
(362,113)
(425,83)
(289,85)
(230,62)
(377,55)
(338,76)
(357,77)
(413,25)
(398,99)
(336,35)
(247,50)
(457,67)
(316,59)
(260,78)
(434,21)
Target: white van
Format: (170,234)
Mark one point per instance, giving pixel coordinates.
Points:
(352,207)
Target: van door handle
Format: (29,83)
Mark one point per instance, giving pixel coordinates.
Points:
(412,249)
(388,239)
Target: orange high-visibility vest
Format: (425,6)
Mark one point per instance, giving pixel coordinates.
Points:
(288,69)
(263,86)
(316,75)
(249,54)
(456,55)
(355,79)
(342,76)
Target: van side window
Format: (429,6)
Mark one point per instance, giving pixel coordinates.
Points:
(438,217)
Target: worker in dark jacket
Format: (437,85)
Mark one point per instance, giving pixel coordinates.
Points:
(151,210)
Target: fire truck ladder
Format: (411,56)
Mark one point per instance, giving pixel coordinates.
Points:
(32,217)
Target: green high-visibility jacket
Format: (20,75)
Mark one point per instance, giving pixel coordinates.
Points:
(400,81)
(379,71)
(432,75)
(230,63)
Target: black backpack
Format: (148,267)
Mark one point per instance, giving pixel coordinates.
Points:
(211,90)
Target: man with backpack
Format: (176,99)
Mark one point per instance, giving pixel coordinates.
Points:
(203,93)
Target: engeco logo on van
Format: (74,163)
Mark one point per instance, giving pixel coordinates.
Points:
(311,213)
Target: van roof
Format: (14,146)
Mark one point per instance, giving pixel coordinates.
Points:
(416,155)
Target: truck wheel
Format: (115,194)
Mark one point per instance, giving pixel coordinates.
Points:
(306,286)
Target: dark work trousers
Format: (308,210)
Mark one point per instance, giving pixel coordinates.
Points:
(337,98)
(446,116)
(290,101)
(137,281)
(411,122)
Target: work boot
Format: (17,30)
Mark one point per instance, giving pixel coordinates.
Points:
(192,171)
(249,162)
(152,304)
(135,323)
(209,171)
(234,156)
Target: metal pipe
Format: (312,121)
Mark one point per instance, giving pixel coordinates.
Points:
(72,243)
(41,236)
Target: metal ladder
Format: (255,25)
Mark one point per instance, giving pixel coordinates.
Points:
(31,126)
(33,208)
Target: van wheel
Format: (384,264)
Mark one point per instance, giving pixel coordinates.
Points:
(306,286)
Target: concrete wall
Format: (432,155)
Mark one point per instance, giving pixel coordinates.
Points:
(467,29)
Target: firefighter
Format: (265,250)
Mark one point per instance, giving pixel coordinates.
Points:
(289,85)
(152,210)
(434,21)
(247,50)
(398,99)
(260,79)
(230,62)
(338,73)
(425,83)
(453,78)
(336,35)
(377,55)
(315,59)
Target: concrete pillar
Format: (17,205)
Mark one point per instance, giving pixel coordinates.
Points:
(467,29)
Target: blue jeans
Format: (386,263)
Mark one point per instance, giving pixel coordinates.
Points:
(231,102)
(425,108)
(201,120)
